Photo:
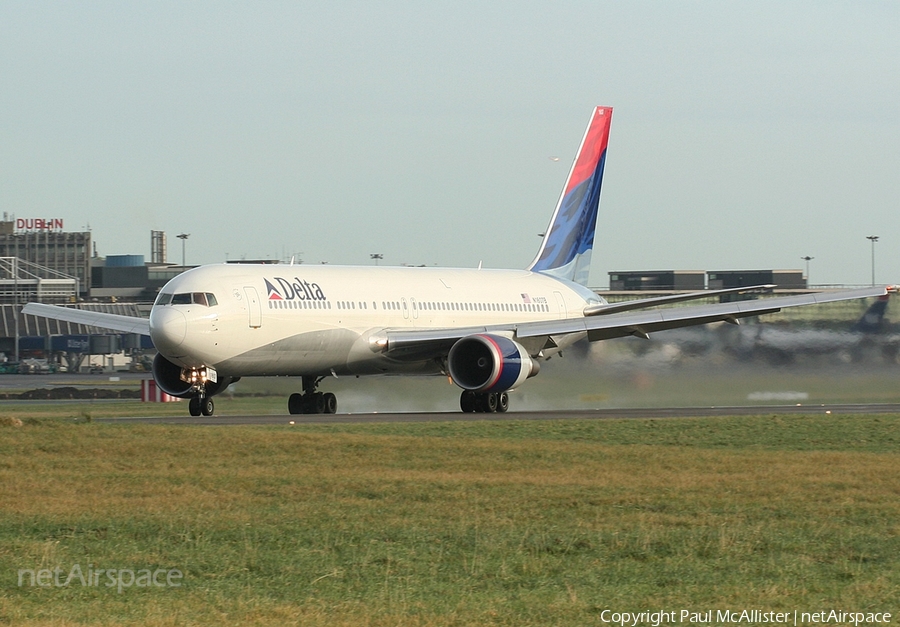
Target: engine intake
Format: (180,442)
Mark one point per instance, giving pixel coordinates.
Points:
(168,378)
(489,363)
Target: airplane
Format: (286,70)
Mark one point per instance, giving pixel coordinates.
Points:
(777,344)
(488,330)
(865,338)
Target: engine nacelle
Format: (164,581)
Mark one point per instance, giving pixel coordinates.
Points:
(489,363)
(168,378)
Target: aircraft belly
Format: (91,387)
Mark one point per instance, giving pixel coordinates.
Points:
(313,352)
(343,352)
(379,364)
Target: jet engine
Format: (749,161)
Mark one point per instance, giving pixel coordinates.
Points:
(489,363)
(169,377)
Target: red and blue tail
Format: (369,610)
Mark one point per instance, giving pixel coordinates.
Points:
(566,249)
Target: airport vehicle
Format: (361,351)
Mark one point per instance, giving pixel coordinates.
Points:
(488,330)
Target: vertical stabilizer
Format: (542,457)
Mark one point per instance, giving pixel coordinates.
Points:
(566,249)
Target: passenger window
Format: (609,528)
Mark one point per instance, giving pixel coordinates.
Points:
(181,299)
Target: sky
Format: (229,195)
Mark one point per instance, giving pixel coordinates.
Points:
(744,135)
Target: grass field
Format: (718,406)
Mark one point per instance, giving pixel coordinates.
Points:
(500,523)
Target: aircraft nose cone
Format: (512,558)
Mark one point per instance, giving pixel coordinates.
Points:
(168,327)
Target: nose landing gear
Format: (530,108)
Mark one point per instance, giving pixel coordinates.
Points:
(201,405)
(312,401)
(203,382)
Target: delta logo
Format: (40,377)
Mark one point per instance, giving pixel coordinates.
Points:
(296,290)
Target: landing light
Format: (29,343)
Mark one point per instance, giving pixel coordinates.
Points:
(199,376)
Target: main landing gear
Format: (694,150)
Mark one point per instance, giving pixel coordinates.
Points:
(484,402)
(311,401)
(201,406)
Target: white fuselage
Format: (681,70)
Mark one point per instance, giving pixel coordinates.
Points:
(316,320)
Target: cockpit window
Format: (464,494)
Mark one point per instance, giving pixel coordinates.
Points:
(198,298)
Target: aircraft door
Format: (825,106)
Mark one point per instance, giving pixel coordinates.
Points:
(561,305)
(253,306)
(415,308)
(405,306)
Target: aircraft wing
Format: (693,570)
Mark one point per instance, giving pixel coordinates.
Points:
(114,322)
(604,327)
(645,303)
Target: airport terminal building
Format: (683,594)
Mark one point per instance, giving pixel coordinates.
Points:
(40,261)
(50,252)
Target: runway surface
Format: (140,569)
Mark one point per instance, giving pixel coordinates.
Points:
(591,414)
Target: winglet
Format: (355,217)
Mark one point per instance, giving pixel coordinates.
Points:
(566,249)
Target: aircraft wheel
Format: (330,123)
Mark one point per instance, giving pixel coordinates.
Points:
(318,403)
(487,402)
(308,404)
(329,401)
(295,404)
(503,402)
(194,406)
(468,402)
(207,406)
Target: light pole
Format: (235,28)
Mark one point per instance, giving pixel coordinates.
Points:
(16,313)
(873,239)
(807,259)
(376,257)
(183,237)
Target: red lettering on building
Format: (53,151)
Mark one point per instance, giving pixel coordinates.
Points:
(39,224)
